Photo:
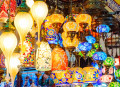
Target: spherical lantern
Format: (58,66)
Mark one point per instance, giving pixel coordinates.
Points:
(103,28)
(29,3)
(43,57)
(23,23)
(78,75)
(8,42)
(91,74)
(84,18)
(59,59)
(99,56)
(109,61)
(117,73)
(106,78)
(114,84)
(90,39)
(84,46)
(14,62)
(71,26)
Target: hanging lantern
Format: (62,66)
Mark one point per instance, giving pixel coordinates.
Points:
(114,84)
(29,3)
(106,78)
(43,57)
(109,61)
(84,46)
(91,74)
(71,26)
(59,59)
(57,20)
(14,62)
(84,18)
(99,56)
(117,73)
(78,75)
(70,43)
(91,52)
(90,39)
(8,42)
(117,61)
(110,70)
(103,28)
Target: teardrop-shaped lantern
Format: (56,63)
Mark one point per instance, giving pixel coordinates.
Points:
(43,57)
(59,59)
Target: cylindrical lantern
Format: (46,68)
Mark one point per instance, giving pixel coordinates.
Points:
(78,75)
(106,78)
(91,74)
(59,59)
(14,62)
(43,57)
(8,42)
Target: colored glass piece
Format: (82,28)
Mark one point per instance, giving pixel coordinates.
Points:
(90,39)
(99,56)
(84,46)
(103,28)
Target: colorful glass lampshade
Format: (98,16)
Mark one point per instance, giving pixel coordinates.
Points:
(78,75)
(84,46)
(56,20)
(84,18)
(62,77)
(106,78)
(109,61)
(70,43)
(110,70)
(91,74)
(117,61)
(103,28)
(91,52)
(43,57)
(117,73)
(59,59)
(90,39)
(99,56)
(71,26)
(114,84)
(29,3)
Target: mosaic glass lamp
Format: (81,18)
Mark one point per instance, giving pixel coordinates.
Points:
(99,56)
(103,28)
(90,39)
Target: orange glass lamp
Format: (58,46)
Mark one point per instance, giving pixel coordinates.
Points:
(84,18)
(8,42)
(78,76)
(59,59)
(106,78)
(57,20)
(91,74)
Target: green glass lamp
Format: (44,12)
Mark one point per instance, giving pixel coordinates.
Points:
(114,84)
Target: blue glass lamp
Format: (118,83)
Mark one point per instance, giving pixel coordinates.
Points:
(99,56)
(84,46)
(103,28)
(90,39)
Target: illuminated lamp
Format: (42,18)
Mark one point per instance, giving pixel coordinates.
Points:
(90,39)
(117,73)
(110,70)
(84,18)
(78,75)
(14,62)
(56,20)
(8,42)
(43,57)
(91,74)
(106,78)
(117,61)
(59,59)
(114,84)
(103,28)
(29,3)
(109,61)
(84,46)
(99,56)
(91,52)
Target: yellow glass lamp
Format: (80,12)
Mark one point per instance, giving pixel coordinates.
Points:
(71,26)
(84,18)
(56,20)
(23,23)
(43,57)
(64,35)
(8,42)
(70,43)
(14,62)
(39,11)
(91,74)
